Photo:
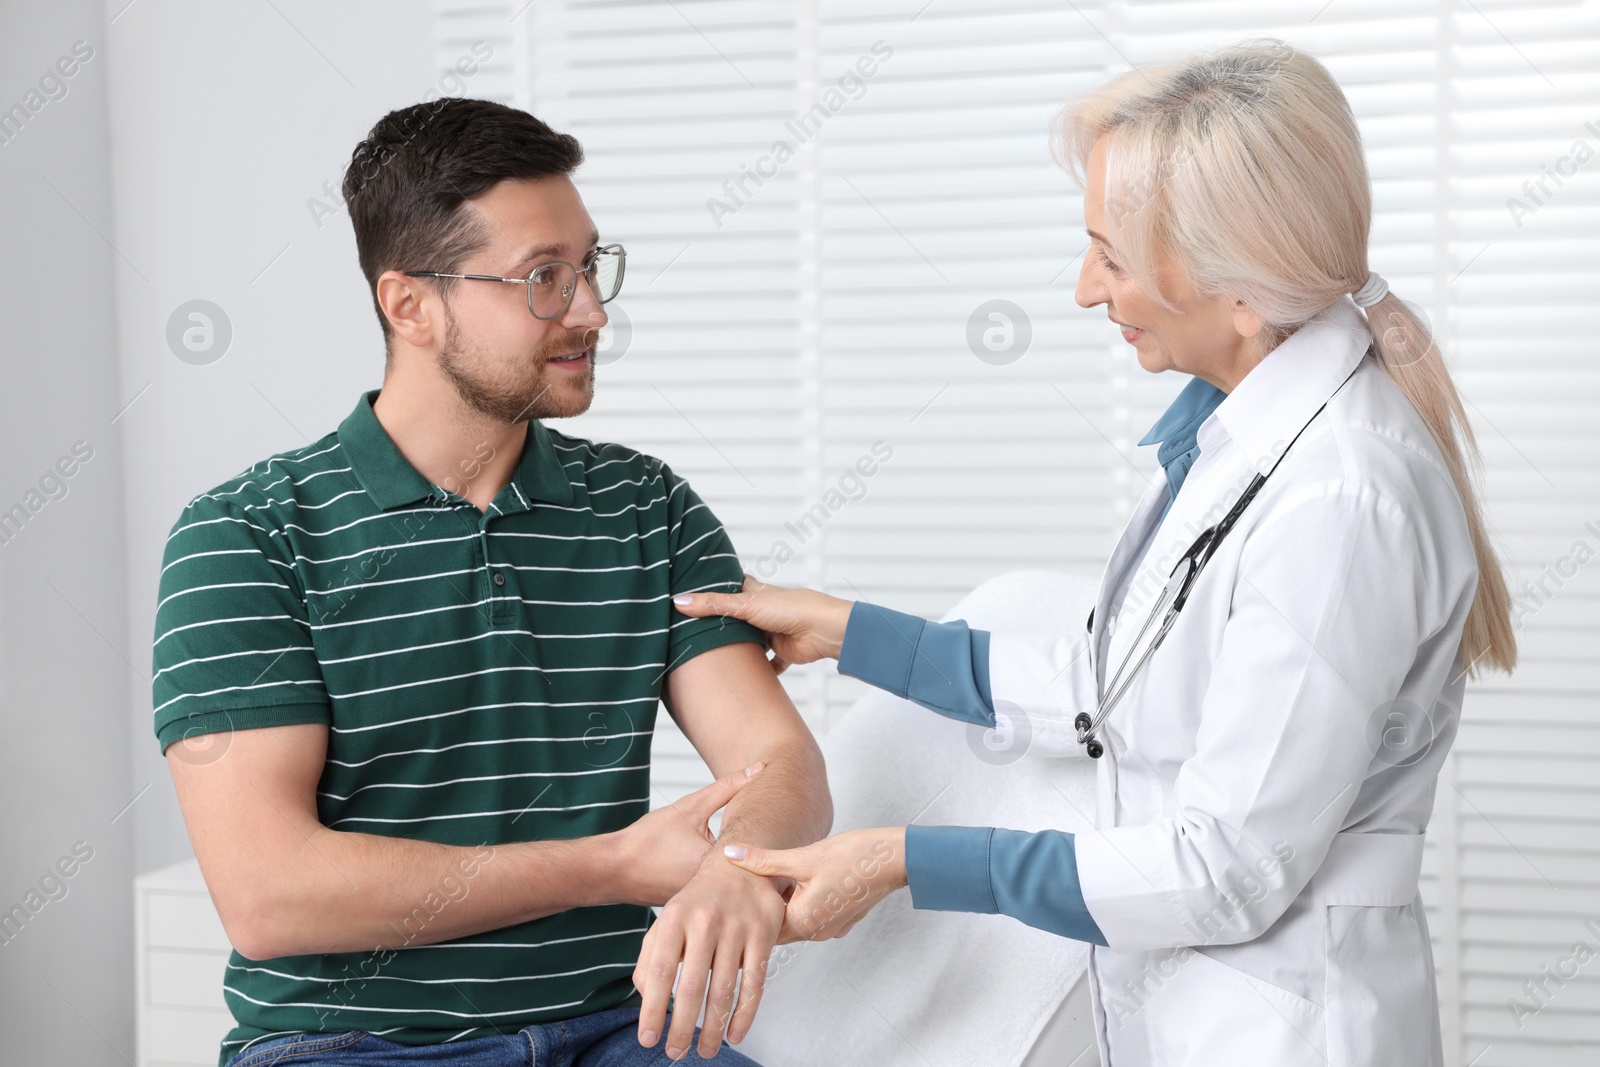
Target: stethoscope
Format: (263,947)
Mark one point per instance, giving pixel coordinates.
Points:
(1192,562)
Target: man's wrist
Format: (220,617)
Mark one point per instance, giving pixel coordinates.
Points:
(608,870)
(714,862)
(717,865)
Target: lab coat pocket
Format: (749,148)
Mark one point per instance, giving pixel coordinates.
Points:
(1382,1004)
(1211,1013)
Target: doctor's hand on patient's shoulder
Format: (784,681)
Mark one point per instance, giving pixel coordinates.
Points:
(802,625)
(838,880)
(661,851)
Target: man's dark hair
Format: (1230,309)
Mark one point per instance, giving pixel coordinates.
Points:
(408,181)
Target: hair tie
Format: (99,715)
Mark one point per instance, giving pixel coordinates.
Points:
(1373,291)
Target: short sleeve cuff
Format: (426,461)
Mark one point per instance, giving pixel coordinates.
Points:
(695,636)
(947,868)
(225,720)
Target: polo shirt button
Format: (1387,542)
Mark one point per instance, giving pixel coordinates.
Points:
(499,579)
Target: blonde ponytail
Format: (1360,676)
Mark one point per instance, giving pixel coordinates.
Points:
(1405,349)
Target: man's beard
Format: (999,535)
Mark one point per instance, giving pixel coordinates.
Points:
(527,390)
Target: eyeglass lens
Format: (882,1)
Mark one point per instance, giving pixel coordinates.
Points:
(551,287)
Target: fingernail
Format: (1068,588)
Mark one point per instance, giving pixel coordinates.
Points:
(735,852)
(683,600)
(648,1038)
(673,1053)
(751,771)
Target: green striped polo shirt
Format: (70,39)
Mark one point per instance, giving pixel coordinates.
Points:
(485,676)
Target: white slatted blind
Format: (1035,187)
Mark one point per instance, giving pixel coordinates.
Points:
(1521,85)
(825,307)
(938,195)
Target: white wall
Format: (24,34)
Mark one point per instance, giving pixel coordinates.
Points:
(66,970)
(226,119)
(177,166)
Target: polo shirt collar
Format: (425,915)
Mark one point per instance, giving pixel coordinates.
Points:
(540,474)
(390,479)
(1279,395)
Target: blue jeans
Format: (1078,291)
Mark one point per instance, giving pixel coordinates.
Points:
(603,1039)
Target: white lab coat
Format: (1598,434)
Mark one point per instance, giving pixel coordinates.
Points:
(1267,780)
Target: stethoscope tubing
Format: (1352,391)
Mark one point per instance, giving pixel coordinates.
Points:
(1198,554)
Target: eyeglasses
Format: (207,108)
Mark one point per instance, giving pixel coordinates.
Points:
(552,285)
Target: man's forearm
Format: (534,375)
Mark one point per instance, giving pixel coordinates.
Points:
(787,805)
(729,704)
(352,892)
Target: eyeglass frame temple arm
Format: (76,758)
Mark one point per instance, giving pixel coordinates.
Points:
(613,249)
(468,277)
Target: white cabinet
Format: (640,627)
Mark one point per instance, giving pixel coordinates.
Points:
(181,951)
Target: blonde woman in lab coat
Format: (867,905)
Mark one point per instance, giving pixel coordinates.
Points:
(1250,888)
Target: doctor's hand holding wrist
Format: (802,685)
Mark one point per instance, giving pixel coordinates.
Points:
(802,625)
(837,881)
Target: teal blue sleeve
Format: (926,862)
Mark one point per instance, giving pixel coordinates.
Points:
(1031,877)
(943,666)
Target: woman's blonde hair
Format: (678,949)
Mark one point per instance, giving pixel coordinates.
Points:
(1244,166)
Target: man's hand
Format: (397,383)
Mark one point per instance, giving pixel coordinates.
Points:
(660,852)
(724,920)
(837,880)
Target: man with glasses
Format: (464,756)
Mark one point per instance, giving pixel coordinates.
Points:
(406,676)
